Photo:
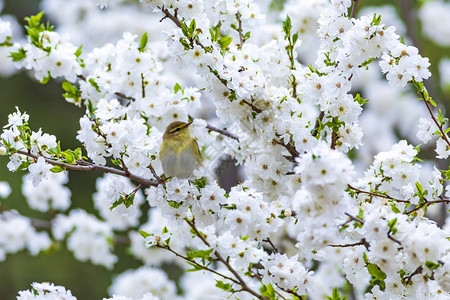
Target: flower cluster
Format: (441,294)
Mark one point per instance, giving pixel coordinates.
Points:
(18,233)
(88,237)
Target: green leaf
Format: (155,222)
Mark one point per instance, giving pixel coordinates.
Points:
(177,88)
(192,27)
(366,63)
(195,268)
(57,169)
(375,271)
(204,255)
(225,41)
(174,204)
(78,52)
(366,260)
(394,208)
(45,80)
(200,183)
(287,25)
(267,291)
(376,20)
(224,286)
(68,157)
(129,200)
(391,225)
(143,43)
(360,100)
(19,55)
(34,21)
(116,203)
(336,296)
(94,84)
(294,38)
(432,265)
(144,233)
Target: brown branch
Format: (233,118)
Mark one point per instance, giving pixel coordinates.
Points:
(426,202)
(392,238)
(154,173)
(354,218)
(441,129)
(241,38)
(334,138)
(196,263)
(429,202)
(408,279)
(358,191)
(271,244)
(290,148)
(362,242)
(354,8)
(254,108)
(124,166)
(225,262)
(122,95)
(222,132)
(173,17)
(85,166)
(143,85)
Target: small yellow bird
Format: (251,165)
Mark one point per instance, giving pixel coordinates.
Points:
(179,153)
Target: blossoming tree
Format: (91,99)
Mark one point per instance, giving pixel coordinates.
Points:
(332,204)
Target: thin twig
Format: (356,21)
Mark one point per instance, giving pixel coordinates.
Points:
(222,132)
(173,17)
(392,238)
(85,166)
(225,262)
(254,108)
(290,148)
(241,38)
(362,242)
(271,244)
(154,172)
(197,264)
(354,218)
(358,191)
(441,129)
(122,95)
(408,279)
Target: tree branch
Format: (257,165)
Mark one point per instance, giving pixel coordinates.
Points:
(196,263)
(241,38)
(85,166)
(354,8)
(225,262)
(222,132)
(362,242)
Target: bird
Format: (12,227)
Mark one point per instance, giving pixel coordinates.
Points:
(179,152)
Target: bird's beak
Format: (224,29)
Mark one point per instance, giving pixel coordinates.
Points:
(189,124)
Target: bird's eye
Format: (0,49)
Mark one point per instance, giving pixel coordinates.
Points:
(178,129)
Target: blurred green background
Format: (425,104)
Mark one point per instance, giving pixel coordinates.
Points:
(50,112)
